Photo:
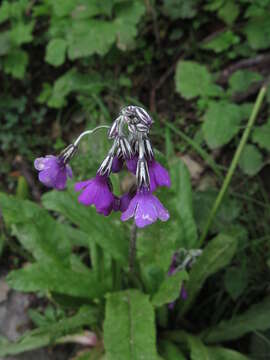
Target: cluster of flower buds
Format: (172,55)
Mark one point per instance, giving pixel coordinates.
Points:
(131,147)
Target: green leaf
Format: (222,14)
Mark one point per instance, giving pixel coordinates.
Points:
(261,135)
(251,160)
(229,12)
(255,319)
(45,335)
(56,52)
(15,63)
(241,80)
(4,43)
(87,37)
(258,32)
(236,281)
(169,289)
(217,254)
(21,33)
(183,203)
(129,327)
(219,353)
(222,41)
(170,351)
(127,17)
(193,79)
(37,231)
(57,278)
(221,123)
(102,230)
(180,9)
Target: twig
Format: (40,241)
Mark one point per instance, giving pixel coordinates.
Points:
(132,247)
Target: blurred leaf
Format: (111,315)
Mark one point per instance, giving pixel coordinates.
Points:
(21,33)
(4,42)
(183,202)
(170,351)
(88,37)
(103,230)
(193,79)
(222,41)
(251,160)
(256,318)
(22,190)
(129,327)
(44,336)
(221,123)
(15,63)
(220,353)
(261,135)
(169,289)
(56,52)
(180,9)
(236,281)
(229,12)
(128,16)
(57,278)
(258,32)
(241,80)
(216,255)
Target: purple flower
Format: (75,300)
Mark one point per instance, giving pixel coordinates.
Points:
(183,295)
(52,171)
(122,203)
(159,176)
(132,164)
(146,209)
(117,164)
(96,192)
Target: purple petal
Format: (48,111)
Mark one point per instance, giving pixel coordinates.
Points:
(159,176)
(82,184)
(60,180)
(129,213)
(117,164)
(146,212)
(44,163)
(162,212)
(69,171)
(132,164)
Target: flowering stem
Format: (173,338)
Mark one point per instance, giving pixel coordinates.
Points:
(132,247)
(87,132)
(234,163)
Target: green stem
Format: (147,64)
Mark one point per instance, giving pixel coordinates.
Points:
(234,163)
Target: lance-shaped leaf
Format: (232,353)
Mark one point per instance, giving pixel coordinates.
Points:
(217,254)
(169,289)
(256,318)
(129,327)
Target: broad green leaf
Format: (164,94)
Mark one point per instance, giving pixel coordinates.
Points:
(180,9)
(222,41)
(56,278)
(254,319)
(193,79)
(45,335)
(251,160)
(127,17)
(15,63)
(21,33)
(198,351)
(87,37)
(261,135)
(236,281)
(258,32)
(229,12)
(4,43)
(169,289)
(37,231)
(221,123)
(102,230)
(183,203)
(62,7)
(129,327)
(170,351)
(56,52)
(241,80)
(216,255)
(4,11)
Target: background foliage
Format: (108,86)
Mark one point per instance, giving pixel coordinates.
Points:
(197,65)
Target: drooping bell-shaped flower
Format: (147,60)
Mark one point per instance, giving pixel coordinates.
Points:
(146,209)
(159,176)
(96,192)
(53,171)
